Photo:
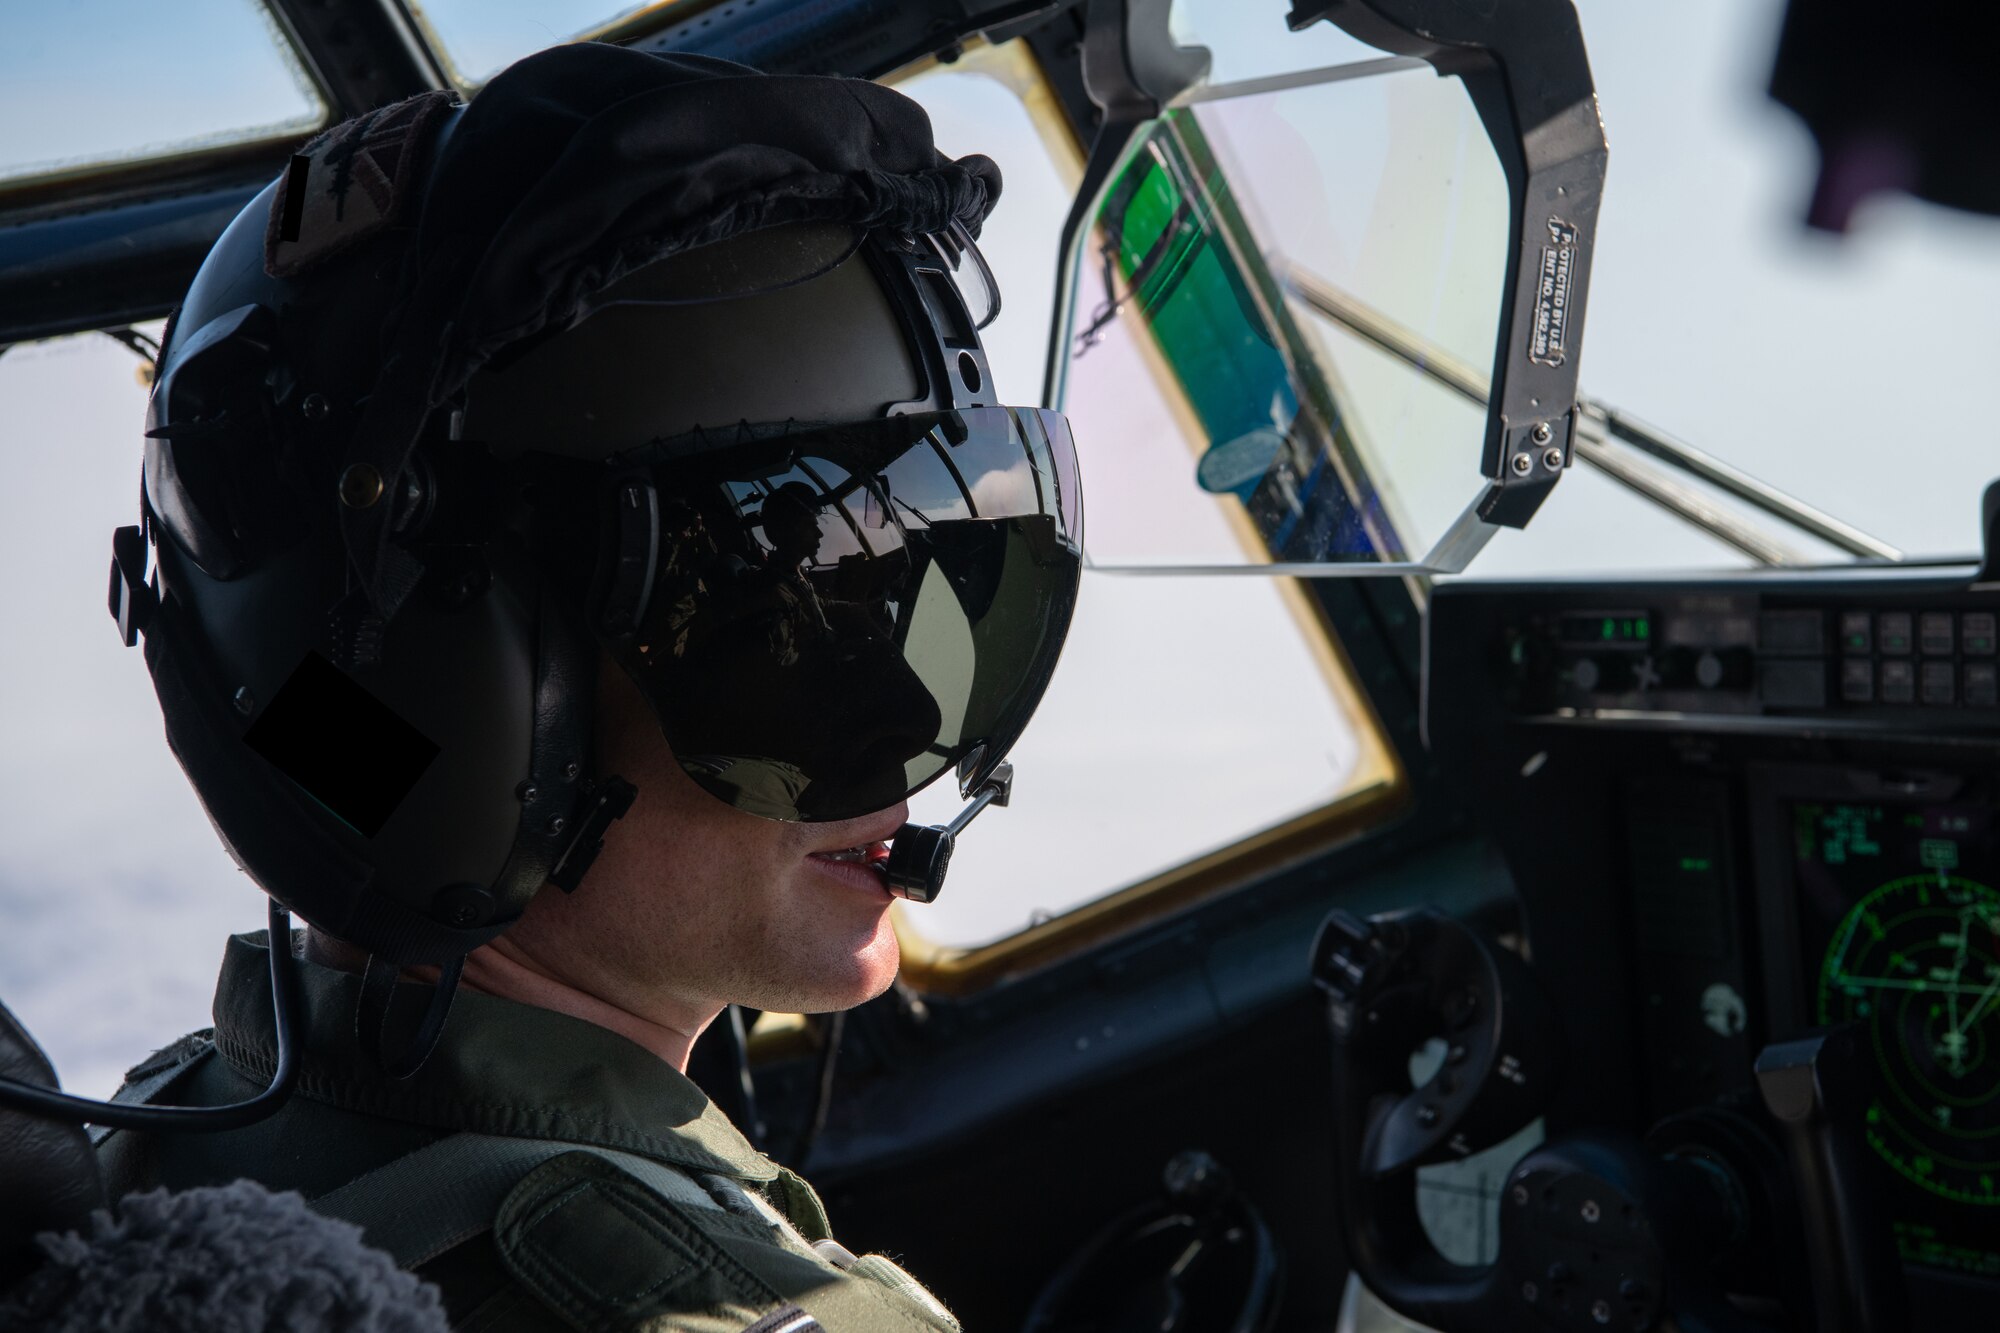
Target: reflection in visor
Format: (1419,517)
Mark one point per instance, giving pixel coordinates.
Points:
(840,614)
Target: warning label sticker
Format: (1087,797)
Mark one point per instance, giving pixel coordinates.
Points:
(1548,341)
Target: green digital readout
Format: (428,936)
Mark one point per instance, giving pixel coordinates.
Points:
(1613,627)
(1836,834)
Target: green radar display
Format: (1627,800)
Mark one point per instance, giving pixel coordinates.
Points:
(1918,962)
(1899,907)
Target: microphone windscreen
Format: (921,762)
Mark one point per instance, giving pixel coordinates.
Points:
(232,1258)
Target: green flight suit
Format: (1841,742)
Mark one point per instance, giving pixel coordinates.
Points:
(724,1239)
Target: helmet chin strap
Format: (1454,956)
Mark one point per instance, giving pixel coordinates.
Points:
(921,853)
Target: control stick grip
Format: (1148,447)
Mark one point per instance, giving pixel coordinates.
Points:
(1815,1086)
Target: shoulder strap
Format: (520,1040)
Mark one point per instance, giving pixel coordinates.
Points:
(428,1201)
(153,1076)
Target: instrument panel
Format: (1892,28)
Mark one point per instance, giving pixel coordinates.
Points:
(1748,807)
(1777,654)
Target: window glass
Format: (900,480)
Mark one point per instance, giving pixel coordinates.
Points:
(95,82)
(1594,527)
(1188,713)
(476,39)
(1716,316)
(1807,360)
(1851,372)
(1243,251)
(1248,39)
(115,894)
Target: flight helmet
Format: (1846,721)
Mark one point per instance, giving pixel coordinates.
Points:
(653,357)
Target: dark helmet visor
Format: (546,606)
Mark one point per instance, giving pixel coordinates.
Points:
(838,614)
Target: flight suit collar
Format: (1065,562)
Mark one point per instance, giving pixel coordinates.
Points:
(501,1067)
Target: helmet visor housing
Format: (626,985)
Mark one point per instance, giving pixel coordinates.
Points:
(833,616)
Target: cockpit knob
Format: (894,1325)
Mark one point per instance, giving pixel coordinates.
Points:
(1723,669)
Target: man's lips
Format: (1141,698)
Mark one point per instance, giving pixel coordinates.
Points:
(864,867)
(868,853)
(863,862)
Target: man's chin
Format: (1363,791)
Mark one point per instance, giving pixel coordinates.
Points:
(830,979)
(874,971)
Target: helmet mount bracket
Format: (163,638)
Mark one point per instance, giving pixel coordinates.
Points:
(602,804)
(936,322)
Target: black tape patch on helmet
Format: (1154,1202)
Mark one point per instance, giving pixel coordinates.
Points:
(347,749)
(349,183)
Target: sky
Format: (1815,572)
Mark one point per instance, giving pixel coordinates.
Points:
(1848,371)
(1187,712)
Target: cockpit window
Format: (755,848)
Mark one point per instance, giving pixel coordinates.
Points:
(476,39)
(101,83)
(114,905)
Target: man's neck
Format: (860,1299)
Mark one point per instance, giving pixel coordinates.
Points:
(502,970)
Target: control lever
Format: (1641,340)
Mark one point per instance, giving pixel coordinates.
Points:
(1597,1230)
(1405,977)
(1815,1086)
(1393,982)
(921,853)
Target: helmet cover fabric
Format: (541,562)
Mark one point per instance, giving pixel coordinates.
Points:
(351,182)
(578,165)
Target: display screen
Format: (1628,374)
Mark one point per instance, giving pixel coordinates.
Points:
(1901,928)
(1633,627)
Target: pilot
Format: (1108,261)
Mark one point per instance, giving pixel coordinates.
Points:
(464,429)
(780,596)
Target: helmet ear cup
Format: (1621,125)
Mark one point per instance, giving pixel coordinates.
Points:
(555,799)
(212,474)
